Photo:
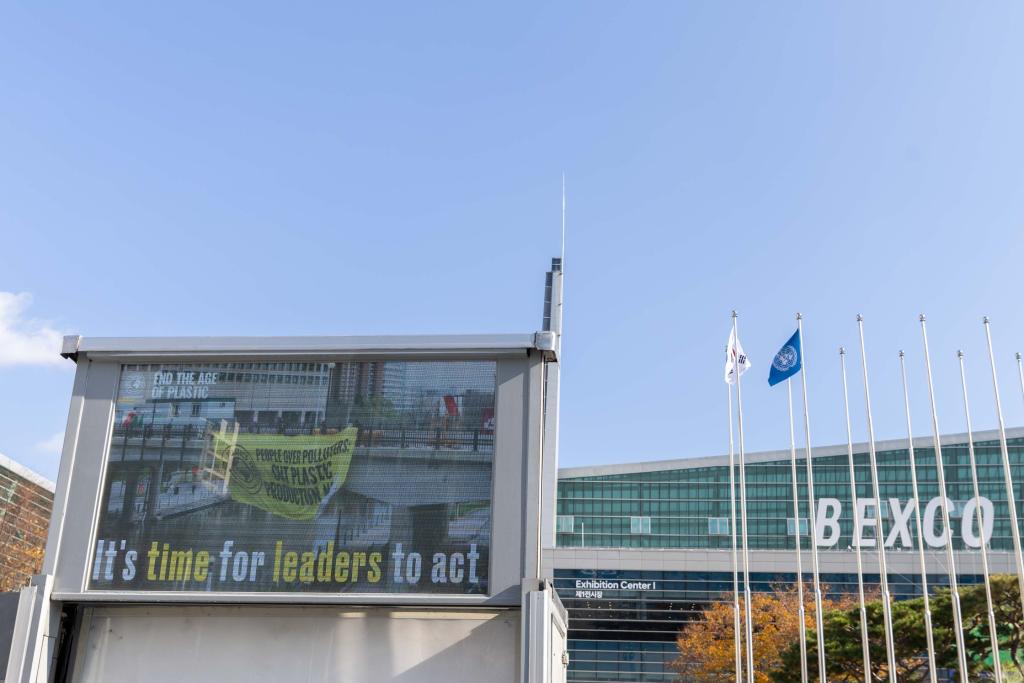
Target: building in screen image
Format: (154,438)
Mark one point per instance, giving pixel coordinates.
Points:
(641,549)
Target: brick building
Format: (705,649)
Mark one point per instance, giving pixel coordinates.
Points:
(26,501)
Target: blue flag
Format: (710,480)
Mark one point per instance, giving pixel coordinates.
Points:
(787,362)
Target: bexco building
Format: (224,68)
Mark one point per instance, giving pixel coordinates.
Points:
(641,549)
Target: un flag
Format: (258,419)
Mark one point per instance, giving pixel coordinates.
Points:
(787,362)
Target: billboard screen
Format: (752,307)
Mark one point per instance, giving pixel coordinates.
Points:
(299,477)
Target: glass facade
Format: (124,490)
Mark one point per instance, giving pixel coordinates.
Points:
(628,634)
(679,507)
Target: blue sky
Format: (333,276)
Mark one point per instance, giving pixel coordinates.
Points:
(253,169)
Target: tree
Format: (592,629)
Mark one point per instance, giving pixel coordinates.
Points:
(1009,622)
(843,638)
(706,647)
(844,660)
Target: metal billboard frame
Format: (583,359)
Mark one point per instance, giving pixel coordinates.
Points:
(516,474)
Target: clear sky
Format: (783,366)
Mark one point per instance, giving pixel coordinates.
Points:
(199,168)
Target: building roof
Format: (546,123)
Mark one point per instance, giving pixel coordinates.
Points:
(395,345)
(25,473)
(923,442)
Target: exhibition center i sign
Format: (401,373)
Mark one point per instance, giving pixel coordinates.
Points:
(360,477)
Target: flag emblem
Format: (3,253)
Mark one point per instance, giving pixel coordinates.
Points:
(785,359)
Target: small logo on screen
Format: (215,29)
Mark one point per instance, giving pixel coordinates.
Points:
(244,474)
(134,384)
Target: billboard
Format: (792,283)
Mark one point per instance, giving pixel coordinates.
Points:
(299,477)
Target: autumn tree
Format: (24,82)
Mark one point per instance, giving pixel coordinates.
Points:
(706,646)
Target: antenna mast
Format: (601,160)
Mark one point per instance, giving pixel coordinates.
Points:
(563,217)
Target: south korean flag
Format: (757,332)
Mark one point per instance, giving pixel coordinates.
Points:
(736,361)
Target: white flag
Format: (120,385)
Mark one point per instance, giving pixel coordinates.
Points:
(735,359)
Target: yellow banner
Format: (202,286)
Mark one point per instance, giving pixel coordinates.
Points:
(286,475)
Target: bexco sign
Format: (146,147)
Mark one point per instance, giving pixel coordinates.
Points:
(826,531)
(594,588)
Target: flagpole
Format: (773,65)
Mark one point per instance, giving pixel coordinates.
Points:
(748,610)
(796,522)
(958,624)
(735,569)
(811,524)
(864,637)
(890,642)
(1011,501)
(992,633)
(933,673)
(1020,373)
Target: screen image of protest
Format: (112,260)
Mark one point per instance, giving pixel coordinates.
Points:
(310,477)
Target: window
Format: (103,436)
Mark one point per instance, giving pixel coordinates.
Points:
(791,526)
(639,525)
(718,526)
(565,524)
(869,511)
